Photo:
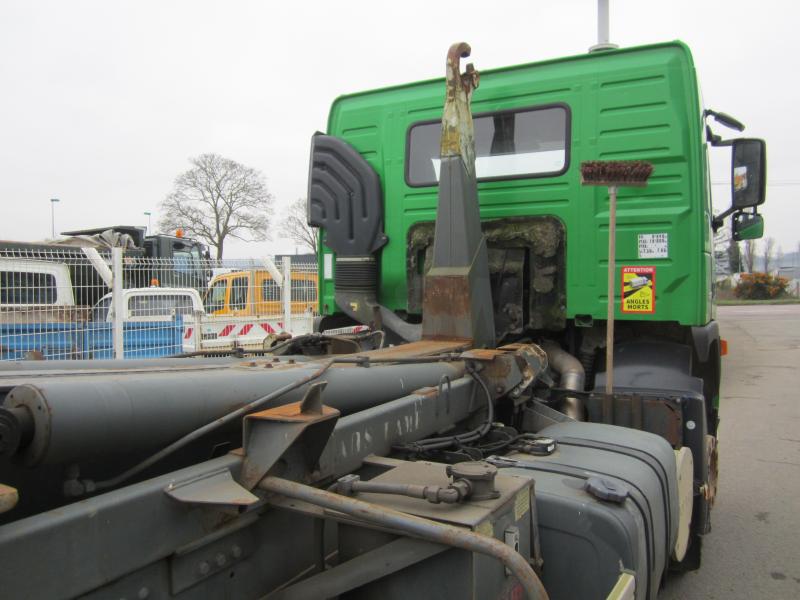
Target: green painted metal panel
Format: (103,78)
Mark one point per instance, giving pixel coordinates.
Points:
(638,103)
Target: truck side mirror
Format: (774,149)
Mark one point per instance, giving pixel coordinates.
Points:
(749,173)
(747,226)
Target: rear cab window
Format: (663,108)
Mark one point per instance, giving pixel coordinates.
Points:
(100,310)
(21,287)
(160,305)
(511,144)
(215,296)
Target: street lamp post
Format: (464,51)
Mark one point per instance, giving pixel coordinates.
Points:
(53,217)
(149,228)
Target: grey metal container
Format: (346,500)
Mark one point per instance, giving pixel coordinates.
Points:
(587,541)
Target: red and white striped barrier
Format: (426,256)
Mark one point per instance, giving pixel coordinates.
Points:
(244,332)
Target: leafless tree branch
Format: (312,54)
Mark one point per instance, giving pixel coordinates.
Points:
(749,255)
(295,226)
(769,254)
(218,198)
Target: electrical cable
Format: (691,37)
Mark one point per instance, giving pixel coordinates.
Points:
(462,438)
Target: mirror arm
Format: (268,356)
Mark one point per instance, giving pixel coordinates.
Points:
(716,140)
(725,119)
(718,221)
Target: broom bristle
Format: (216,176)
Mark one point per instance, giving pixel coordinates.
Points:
(615,172)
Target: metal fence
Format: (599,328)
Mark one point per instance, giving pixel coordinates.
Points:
(75,303)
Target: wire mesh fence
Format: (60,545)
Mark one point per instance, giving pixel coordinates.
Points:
(75,303)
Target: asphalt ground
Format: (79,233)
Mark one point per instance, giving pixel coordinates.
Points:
(753,550)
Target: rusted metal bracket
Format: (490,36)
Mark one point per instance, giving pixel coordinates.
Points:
(296,432)
(509,369)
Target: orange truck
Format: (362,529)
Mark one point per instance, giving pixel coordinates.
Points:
(255,293)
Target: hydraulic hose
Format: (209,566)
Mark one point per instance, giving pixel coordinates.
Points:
(416,527)
(461,438)
(76,487)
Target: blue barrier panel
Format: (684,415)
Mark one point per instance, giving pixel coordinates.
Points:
(141,340)
(52,340)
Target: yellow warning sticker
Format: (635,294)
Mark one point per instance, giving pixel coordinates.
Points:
(638,289)
(522,503)
(485,528)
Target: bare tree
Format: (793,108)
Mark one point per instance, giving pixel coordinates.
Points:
(734,256)
(769,254)
(722,264)
(295,226)
(749,255)
(218,198)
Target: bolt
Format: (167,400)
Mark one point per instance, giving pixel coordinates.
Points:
(236,551)
(291,361)
(276,359)
(204,568)
(220,559)
(144,593)
(268,366)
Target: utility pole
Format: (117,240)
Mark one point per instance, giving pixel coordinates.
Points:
(53,217)
(149,228)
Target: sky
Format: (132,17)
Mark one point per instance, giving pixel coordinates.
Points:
(102,103)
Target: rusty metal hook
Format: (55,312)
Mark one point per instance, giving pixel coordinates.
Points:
(457,128)
(470,78)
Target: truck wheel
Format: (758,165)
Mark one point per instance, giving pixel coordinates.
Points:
(701,516)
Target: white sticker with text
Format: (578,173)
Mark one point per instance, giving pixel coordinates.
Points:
(653,245)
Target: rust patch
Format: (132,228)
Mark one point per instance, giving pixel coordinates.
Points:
(424,347)
(710,488)
(427,392)
(447,295)
(498,369)
(447,306)
(482,354)
(292,413)
(9,497)
(671,420)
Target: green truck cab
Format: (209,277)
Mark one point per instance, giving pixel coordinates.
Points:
(547,234)
(640,103)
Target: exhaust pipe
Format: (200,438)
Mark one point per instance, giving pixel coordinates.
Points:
(572,376)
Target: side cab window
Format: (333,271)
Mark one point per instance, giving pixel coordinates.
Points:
(215,296)
(239,289)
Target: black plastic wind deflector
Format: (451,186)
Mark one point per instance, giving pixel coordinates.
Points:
(344,198)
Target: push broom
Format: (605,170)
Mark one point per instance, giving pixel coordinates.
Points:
(613,174)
